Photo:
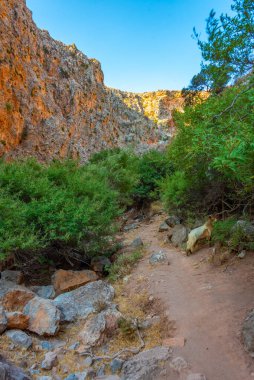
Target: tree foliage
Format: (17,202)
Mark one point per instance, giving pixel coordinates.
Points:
(228,52)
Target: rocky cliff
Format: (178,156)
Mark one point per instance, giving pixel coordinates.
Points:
(53,101)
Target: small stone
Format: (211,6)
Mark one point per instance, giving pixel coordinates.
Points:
(72,376)
(50,360)
(116,365)
(74,346)
(151,298)
(47,292)
(137,243)
(20,338)
(242,254)
(101,371)
(44,378)
(99,263)
(130,227)
(45,345)
(173,220)
(34,371)
(88,361)
(3,320)
(248,333)
(178,364)
(148,322)
(17,320)
(158,257)
(163,227)
(196,376)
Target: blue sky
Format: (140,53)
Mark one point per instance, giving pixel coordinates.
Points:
(143,45)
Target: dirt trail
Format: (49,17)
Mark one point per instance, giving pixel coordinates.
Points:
(207,303)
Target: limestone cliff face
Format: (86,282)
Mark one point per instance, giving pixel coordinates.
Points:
(53,101)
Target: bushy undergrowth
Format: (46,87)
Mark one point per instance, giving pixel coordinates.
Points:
(213,153)
(61,204)
(71,207)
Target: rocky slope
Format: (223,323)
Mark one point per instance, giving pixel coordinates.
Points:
(53,102)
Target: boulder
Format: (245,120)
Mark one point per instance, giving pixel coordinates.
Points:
(116,365)
(15,298)
(17,320)
(163,227)
(66,280)
(248,333)
(137,243)
(14,276)
(146,365)
(47,292)
(179,235)
(81,302)
(19,338)
(172,220)
(99,263)
(44,317)
(245,227)
(50,360)
(97,328)
(3,320)
(9,371)
(159,257)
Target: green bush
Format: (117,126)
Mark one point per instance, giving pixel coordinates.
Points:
(120,169)
(174,190)
(152,167)
(62,204)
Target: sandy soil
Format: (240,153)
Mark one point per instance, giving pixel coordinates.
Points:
(207,303)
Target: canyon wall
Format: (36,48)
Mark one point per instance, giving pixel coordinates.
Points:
(53,101)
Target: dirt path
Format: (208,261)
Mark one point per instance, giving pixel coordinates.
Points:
(207,303)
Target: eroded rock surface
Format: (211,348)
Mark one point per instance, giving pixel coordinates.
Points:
(81,302)
(53,101)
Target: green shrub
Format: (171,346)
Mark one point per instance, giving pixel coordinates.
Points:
(174,190)
(152,167)
(120,169)
(62,204)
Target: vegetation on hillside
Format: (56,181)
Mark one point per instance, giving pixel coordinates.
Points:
(209,166)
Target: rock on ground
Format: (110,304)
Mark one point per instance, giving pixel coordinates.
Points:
(159,257)
(9,371)
(137,243)
(146,365)
(248,333)
(66,280)
(163,227)
(44,317)
(14,297)
(173,220)
(246,227)
(14,276)
(47,291)
(3,320)
(50,360)
(19,338)
(81,302)
(99,263)
(17,320)
(178,364)
(99,326)
(179,235)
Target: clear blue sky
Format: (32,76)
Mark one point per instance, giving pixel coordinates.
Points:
(143,45)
